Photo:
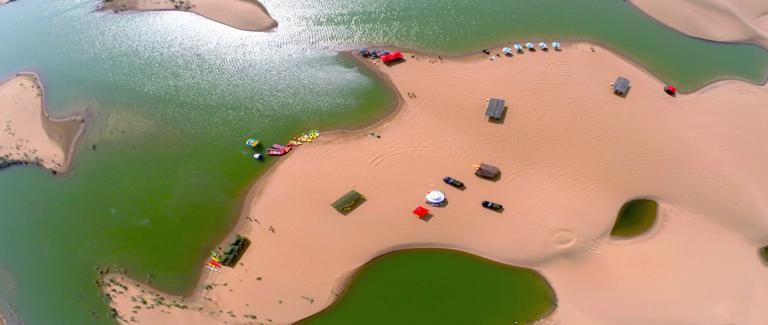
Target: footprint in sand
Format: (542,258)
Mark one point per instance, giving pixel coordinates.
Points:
(563,238)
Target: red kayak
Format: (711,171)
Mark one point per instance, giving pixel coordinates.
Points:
(276,152)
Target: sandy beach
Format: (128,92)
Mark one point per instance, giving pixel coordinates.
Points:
(248,15)
(717,20)
(570,152)
(28,134)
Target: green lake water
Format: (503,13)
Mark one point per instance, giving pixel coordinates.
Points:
(635,217)
(440,287)
(172,96)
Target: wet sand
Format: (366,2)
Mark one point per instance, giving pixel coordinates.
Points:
(29,135)
(248,15)
(717,20)
(571,154)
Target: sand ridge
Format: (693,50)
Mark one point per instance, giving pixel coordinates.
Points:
(249,15)
(28,134)
(717,20)
(571,153)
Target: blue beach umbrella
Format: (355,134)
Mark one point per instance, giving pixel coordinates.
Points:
(529,45)
(506,50)
(543,45)
(518,47)
(556,45)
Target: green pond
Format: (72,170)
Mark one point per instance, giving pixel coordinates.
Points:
(635,217)
(439,287)
(170,98)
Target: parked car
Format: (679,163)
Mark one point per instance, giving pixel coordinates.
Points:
(452,181)
(492,205)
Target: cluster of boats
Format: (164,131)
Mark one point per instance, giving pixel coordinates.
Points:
(279,149)
(519,48)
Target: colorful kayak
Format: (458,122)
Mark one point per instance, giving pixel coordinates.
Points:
(276,152)
(281,147)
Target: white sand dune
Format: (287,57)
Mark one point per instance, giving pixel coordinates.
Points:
(571,153)
(28,134)
(718,20)
(248,15)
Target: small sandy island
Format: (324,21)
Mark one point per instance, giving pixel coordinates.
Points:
(248,15)
(718,20)
(28,134)
(571,153)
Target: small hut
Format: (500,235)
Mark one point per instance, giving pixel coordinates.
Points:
(495,109)
(348,201)
(621,86)
(487,171)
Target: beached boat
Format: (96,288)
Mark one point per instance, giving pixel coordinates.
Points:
(276,152)
(281,147)
(252,142)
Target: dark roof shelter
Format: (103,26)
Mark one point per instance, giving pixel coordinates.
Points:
(234,250)
(487,171)
(621,86)
(348,201)
(495,109)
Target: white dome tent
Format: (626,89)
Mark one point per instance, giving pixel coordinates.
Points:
(435,198)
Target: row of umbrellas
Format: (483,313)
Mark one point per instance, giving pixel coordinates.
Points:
(519,48)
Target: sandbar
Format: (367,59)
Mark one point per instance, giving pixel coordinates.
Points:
(249,15)
(29,135)
(571,153)
(717,20)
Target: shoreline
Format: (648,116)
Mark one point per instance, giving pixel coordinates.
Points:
(684,20)
(497,46)
(245,15)
(338,136)
(65,132)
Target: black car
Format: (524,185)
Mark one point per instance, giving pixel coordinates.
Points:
(492,205)
(452,181)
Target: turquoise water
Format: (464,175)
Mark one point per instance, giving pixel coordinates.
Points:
(172,96)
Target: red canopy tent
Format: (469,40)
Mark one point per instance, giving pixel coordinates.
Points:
(420,211)
(391,57)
